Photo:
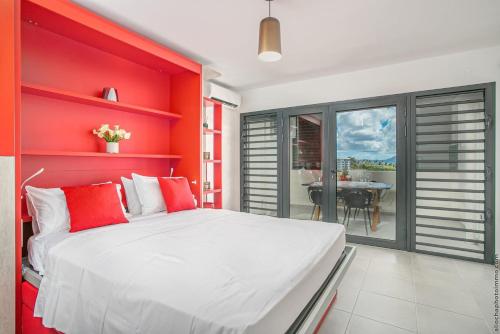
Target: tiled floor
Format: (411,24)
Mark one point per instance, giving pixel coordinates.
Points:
(385,230)
(388,291)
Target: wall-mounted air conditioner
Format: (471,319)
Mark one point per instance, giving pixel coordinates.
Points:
(223,95)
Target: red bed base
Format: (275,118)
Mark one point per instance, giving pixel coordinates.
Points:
(30,324)
(33,325)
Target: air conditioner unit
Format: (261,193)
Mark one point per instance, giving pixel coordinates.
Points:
(223,95)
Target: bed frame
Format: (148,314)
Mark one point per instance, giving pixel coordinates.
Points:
(309,320)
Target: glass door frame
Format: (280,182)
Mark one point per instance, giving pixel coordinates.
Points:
(402,145)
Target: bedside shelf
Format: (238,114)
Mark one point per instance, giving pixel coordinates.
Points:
(93,101)
(212,191)
(212,131)
(212,161)
(98,154)
(26,218)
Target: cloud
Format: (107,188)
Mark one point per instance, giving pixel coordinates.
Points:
(367,134)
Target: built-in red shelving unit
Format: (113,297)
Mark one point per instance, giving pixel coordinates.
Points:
(98,154)
(94,101)
(212,143)
(65,56)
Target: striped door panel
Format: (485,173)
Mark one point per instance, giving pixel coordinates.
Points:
(452,175)
(259,164)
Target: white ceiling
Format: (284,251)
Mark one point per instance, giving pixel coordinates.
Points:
(318,36)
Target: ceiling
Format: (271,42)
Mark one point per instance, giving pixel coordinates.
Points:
(318,36)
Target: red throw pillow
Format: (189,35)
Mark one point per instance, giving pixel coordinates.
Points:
(93,206)
(176,193)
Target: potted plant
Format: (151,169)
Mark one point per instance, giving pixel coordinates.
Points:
(112,137)
(344,176)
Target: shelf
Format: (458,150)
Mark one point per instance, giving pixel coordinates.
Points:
(93,101)
(212,161)
(212,191)
(210,205)
(212,131)
(98,154)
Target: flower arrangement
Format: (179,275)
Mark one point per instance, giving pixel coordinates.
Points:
(111,135)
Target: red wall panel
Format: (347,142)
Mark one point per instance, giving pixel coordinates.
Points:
(69,48)
(7,77)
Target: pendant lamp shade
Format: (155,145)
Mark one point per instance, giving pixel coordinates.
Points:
(269,40)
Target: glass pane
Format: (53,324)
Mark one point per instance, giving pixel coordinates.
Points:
(366,172)
(305,150)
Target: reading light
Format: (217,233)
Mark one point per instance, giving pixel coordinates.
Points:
(269,38)
(40,171)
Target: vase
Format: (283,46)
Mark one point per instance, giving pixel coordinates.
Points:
(112,147)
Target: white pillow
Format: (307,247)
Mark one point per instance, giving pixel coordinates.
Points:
(31,213)
(49,209)
(149,194)
(133,203)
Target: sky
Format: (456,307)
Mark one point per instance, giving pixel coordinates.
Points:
(367,134)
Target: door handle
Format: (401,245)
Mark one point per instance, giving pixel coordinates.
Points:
(334,174)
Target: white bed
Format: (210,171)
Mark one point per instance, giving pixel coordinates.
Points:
(198,271)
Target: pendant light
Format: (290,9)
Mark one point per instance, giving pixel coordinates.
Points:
(269,38)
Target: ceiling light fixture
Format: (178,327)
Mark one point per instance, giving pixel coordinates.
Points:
(269,38)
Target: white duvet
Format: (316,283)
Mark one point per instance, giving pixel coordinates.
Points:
(198,271)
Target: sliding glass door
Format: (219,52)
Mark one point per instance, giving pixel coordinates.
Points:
(367,160)
(344,163)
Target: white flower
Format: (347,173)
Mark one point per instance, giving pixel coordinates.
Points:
(104,127)
(114,135)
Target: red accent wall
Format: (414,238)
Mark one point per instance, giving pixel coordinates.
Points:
(69,55)
(7,78)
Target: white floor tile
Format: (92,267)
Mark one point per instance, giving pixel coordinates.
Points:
(346,298)
(353,278)
(437,278)
(434,321)
(424,261)
(395,270)
(335,323)
(449,299)
(390,286)
(360,325)
(385,309)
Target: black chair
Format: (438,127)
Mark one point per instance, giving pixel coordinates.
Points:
(340,202)
(316,197)
(358,200)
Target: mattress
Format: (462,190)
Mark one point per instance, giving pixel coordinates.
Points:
(39,246)
(198,271)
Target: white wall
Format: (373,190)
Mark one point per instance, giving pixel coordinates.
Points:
(472,67)
(230,159)
(7,245)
